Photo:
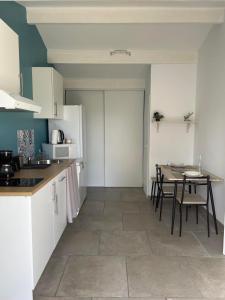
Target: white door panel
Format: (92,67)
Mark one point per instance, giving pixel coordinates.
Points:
(124,138)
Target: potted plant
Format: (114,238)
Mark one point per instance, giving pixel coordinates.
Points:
(157,116)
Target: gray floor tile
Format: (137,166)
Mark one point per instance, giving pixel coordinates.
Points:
(49,281)
(191,224)
(209,275)
(129,197)
(213,244)
(144,221)
(124,243)
(78,243)
(160,266)
(146,207)
(94,276)
(121,206)
(102,222)
(195,298)
(132,191)
(92,208)
(123,298)
(60,298)
(173,245)
(160,276)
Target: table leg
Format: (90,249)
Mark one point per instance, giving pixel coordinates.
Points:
(213,207)
(174,209)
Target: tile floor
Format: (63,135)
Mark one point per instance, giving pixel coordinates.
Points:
(118,248)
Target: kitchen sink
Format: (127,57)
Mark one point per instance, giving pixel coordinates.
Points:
(42,163)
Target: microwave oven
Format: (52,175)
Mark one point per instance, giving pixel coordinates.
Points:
(59,151)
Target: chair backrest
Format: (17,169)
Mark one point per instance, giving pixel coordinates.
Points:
(159,178)
(205,181)
(158,175)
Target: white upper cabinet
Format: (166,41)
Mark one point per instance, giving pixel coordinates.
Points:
(9,59)
(48,92)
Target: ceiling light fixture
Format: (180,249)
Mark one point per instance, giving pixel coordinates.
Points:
(120,52)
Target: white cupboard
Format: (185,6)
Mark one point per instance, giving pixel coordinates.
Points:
(30,229)
(114,136)
(48,92)
(124,138)
(9,59)
(42,229)
(59,199)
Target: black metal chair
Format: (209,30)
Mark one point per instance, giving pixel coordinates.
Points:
(153,190)
(165,190)
(187,199)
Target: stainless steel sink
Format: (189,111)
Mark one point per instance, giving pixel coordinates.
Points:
(41,164)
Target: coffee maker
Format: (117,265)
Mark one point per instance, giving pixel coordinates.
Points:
(6,164)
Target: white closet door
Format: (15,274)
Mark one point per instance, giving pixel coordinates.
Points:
(124,138)
(93,102)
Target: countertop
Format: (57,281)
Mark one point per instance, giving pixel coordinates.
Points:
(48,174)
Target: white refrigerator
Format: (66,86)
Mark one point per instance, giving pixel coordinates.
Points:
(74,127)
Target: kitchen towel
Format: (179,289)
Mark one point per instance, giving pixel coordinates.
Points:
(73,195)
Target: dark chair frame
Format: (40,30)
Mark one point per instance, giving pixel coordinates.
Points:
(209,195)
(161,195)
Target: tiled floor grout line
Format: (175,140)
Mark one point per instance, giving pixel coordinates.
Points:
(129,258)
(62,276)
(202,246)
(99,241)
(128,291)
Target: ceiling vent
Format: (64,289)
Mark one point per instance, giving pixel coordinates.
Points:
(120,52)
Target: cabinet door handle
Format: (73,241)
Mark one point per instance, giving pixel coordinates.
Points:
(62,179)
(56,205)
(54,192)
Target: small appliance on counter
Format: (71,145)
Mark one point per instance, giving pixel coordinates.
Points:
(6,168)
(57,137)
(59,151)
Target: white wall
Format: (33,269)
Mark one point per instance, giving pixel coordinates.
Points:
(210,110)
(146,142)
(173,90)
(104,83)
(103,76)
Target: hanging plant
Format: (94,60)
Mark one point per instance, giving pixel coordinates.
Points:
(157,116)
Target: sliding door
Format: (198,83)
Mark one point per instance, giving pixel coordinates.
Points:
(124,138)
(93,101)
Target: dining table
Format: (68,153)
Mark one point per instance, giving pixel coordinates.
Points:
(175,174)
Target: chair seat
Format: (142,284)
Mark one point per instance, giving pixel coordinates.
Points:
(191,199)
(168,189)
(153,178)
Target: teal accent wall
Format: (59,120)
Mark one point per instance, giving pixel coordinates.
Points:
(33,53)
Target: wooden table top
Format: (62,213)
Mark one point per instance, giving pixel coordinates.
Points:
(175,173)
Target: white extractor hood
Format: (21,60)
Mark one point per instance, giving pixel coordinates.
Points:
(18,103)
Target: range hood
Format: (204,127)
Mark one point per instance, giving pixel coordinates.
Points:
(11,102)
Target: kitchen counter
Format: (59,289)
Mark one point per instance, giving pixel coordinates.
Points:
(47,175)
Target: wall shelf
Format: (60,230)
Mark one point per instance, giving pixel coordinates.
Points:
(178,121)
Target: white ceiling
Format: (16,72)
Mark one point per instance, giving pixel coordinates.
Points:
(124,36)
(86,36)
(167,3)
(101,71)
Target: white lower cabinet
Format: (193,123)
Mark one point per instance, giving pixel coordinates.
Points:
(42,218)
(31,227)
(48,221)
(59,198)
